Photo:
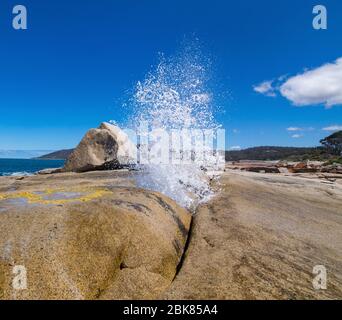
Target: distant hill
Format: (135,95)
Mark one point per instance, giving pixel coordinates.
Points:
(255,153)
(57,155)
(332,148)
(279,153)
(22,154)
(333,143)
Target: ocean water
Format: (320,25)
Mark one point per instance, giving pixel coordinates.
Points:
(25,167)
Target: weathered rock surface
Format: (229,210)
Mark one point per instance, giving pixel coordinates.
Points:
(88,236)
(50,171)
(260,238)
(107,147)
(95,236)
(285,167)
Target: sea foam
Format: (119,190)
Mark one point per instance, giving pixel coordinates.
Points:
(174,96)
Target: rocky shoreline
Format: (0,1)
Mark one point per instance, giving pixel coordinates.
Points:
(286,167)
(88,236)
(84,234)
(261,237)
(96,236)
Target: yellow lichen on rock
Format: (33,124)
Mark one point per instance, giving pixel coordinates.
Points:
(109,239)
(33,197)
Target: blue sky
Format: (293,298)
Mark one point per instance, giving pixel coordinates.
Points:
(71,69)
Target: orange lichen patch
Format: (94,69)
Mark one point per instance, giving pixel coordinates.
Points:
(84,195)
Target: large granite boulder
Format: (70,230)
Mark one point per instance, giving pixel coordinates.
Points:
(80,237)
(107,147)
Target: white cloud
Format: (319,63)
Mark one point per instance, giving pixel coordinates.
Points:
(265,88)
(291,129)
(236,131)
(296,136)
(322,85)
(235,148)
(332,128)
(294,129)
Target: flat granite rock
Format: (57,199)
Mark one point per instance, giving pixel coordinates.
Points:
(96,236)
(261,237)
(88,236)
